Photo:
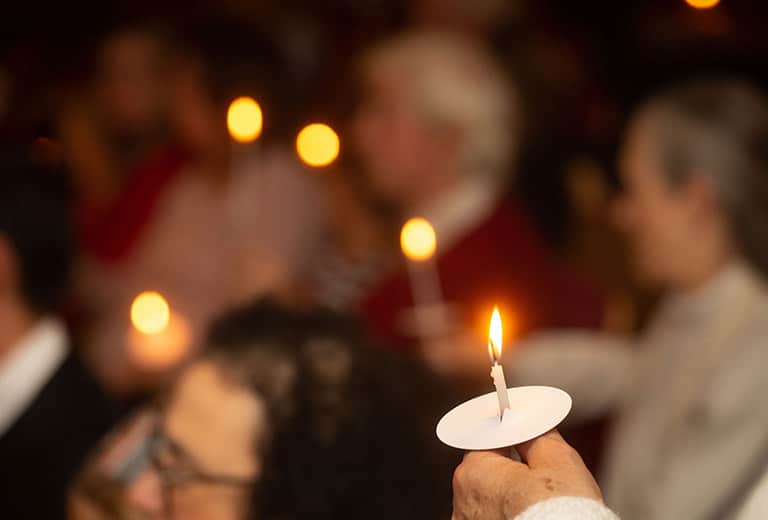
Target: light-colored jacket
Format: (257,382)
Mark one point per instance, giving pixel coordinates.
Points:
(692,432)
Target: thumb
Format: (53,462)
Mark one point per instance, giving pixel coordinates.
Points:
(504,452)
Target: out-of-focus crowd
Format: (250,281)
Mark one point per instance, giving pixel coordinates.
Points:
(192,326)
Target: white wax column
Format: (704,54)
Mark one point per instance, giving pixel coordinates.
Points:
(427,295)
(497,373)
(425,283)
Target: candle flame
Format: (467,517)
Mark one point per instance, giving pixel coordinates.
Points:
(418,239)
(702,4)
(495,334)
(150,313)
(318,145)
(244,119)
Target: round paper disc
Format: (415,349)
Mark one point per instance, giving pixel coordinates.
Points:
(475,424)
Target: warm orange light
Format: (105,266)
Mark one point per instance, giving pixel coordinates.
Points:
(244,119)
(164,349)
(418,240)
(150,313)
(318,145)
(702,4)
(495,336)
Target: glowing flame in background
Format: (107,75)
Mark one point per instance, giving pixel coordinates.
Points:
(150,313)
(702,4)
(244,119)
(318,145)
(418,239)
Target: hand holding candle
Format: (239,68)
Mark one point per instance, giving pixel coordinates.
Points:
(506,417)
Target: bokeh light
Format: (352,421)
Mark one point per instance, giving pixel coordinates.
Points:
(418,239)
(702,4)
(164,349)
(244,119)
(150,313)
(317,145)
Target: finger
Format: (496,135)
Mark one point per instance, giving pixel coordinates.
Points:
(481,472)
(525,448)
(548,450)
(479,464)
(488,457)
(501,452)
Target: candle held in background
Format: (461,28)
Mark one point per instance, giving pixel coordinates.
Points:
(418,242)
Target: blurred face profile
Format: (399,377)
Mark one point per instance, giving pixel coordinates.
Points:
(203,458)
(397,148)
(130,84)
(660,220)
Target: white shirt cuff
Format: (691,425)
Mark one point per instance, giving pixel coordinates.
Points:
(567,508)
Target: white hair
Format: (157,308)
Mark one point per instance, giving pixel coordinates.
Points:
(456,81)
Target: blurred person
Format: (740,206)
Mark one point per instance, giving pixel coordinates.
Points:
(355,248)
(691,436)
(114,134)
(236,220)
(287,415)
(51,410)
(115,138)
(275,209)
(436,134)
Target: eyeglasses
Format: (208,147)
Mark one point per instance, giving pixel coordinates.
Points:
(176,467)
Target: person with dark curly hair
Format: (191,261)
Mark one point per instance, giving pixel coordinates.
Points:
(287,415)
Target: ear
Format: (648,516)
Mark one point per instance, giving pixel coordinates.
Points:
(702,196)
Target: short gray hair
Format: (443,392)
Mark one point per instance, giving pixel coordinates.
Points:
(719,129)
(457,81)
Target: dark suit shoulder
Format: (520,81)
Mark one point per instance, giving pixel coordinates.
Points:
(46,445)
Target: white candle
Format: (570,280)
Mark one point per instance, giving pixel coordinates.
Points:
(497,374)
(419,243)
(495,335)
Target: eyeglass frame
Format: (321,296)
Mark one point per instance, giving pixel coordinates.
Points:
(159,440)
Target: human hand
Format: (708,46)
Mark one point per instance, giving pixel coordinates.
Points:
(490,486)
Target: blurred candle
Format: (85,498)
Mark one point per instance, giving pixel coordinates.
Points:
(150,313)
(702,4)
(495,337)
(244,119)
(159,337)
(163,350)
(317,145)
(245,123)
(418,242)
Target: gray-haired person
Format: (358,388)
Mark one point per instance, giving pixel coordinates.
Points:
(691,437)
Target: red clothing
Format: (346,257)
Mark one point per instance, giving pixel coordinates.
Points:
(500,262)
(110,233)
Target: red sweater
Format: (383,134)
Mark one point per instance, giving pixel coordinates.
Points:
(501,262)
(110,233)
